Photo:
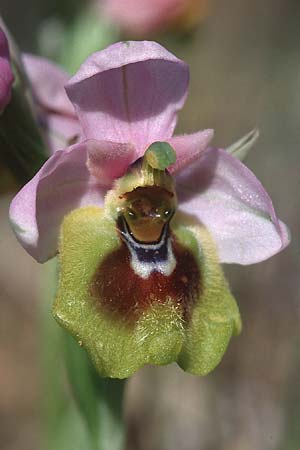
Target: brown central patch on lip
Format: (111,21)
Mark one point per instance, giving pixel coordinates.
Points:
(123,294)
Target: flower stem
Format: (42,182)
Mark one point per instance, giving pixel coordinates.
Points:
(99,399)
(22,147)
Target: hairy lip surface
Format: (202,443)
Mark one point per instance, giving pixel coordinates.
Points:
(118,290)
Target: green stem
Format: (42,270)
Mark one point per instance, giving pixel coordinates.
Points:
(22,148)
(100,400)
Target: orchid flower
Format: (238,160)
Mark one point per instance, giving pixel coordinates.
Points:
(6,74)
(146,16)
(55,111)
(142,219)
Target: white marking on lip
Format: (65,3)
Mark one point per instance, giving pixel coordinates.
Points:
(143,268)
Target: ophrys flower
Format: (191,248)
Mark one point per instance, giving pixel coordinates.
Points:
(143,228)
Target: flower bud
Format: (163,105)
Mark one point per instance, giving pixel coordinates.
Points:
(6,74)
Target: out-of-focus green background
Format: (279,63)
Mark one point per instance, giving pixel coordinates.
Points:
(245,72)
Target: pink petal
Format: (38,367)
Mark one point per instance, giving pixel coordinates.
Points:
(6,74)
(142,16)
(189,147)
(60,130)
(130,92)
(229,200)
(48,83)
(108,160)
(62,184)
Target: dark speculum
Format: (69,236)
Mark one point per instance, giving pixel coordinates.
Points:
(124,294)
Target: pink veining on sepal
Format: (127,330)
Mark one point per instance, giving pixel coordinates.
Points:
(6,73)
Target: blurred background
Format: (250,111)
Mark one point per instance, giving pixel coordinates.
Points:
(245,72)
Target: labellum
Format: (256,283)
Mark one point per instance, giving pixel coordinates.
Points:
(139,281)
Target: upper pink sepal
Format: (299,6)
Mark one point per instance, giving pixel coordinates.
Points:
(61,185)
(226,196)
(6,74)
(129,92)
